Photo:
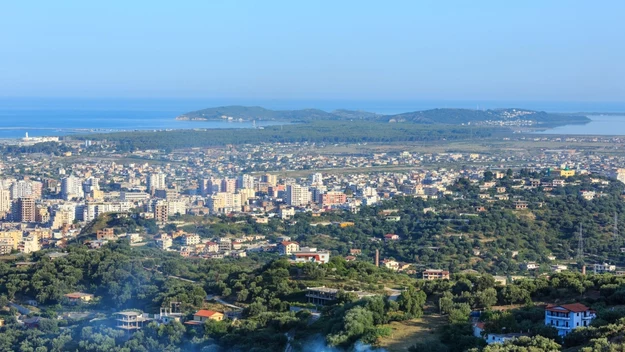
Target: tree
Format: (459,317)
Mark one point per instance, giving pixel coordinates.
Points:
(524,344)
(488,176)
(486,298)
(411,302)
(446,302)
(357,322)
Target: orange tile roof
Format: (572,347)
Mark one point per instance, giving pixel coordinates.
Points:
(206,313)
(573,307)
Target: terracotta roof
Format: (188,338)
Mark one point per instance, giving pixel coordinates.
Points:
(206,313)
(574,307)
(286,243)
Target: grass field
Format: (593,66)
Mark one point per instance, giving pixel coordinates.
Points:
(407,333)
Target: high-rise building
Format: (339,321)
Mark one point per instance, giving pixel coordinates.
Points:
(245,181)
(26,188)
(71,187)
(205,186)
(297,195)
(24,210)
(316,179)
(156,181)
(270,179)
(5,202)
(161,212)
(91,184)
(228,185)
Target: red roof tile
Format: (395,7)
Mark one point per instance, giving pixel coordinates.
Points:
(205,313)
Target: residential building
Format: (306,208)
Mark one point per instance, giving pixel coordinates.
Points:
(603,268)
(71,187)
(391,237)
(333,198)
(435,274)
(313,256)
(161,212)
(78,297)
(245,182)
(228,185)
(203,315)
(567,173)
(211,247)
(155,181)
(191,239)
(24,210)
(5,202)
(29,244)
(164,242)
(105,234)
(288,247)
(297,195)
(567,317)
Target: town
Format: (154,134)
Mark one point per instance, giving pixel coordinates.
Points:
(307,204)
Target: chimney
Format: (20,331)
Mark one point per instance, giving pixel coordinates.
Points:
(377,257)
(583,269)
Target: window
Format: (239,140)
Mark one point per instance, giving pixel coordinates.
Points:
(578,324)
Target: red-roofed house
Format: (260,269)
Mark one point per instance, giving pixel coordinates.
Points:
(288,247)
(566,317)
(391,237)
(203,315)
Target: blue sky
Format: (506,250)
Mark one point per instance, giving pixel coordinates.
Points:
(440,50)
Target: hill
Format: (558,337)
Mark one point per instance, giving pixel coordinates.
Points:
(236,112)
(496,116)
(435,116)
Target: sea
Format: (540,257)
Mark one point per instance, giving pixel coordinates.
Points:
(64,116)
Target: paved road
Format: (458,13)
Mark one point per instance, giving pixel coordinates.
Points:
(171,276)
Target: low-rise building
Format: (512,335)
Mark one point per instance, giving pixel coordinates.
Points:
(288,247)
(203,315)
(567,317)
(435,274)
(603,268)
(78,297)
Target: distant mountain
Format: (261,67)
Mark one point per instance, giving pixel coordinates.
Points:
(434,116)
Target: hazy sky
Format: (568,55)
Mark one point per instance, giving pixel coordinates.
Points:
(496,50)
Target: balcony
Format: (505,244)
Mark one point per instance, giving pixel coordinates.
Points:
(561,317)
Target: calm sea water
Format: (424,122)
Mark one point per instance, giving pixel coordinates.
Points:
(56,117)
(605,125)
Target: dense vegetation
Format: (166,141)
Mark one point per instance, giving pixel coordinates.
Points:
(317,131)
(434,116)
